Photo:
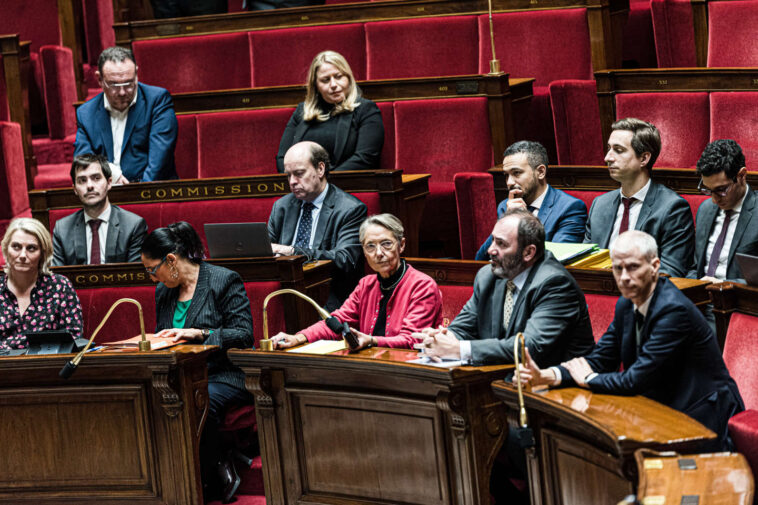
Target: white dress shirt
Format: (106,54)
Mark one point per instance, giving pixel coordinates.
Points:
(537,203)
(102,232)
(118,127)
(317,204)
(634,210)
(717,226)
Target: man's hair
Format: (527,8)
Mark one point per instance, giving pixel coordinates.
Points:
(723,155)
(319,155)
(636,239)
(646,138)
(116,54)
(530,231)
(84,160)
(36,229)
(536,154)
(387,221)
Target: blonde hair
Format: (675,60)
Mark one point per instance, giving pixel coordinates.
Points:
(311,109)
(36,229)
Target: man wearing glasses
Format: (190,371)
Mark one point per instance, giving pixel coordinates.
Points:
(641,203)
(727,223)
(131,123)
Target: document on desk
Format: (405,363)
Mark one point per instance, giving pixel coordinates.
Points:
(321,347)
(445,363)
(156,343)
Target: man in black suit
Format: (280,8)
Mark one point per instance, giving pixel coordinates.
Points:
(668,351)
(524,289)
(641,203)
(728,222)
(318,220)
(99,232)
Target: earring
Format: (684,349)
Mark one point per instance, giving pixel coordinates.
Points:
(174,272)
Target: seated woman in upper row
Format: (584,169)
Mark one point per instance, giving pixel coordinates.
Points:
(32,298)
(386,308)
(336,117)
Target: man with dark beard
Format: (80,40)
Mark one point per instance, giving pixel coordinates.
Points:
(524,289)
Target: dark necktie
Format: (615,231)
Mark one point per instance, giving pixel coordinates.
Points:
(625,217)
(304,228)
(94,225)
(713,264)
(639,322)
(531,209)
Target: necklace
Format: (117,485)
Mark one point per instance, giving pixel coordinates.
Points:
(392,286)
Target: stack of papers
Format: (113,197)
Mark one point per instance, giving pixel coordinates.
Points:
(321,347)
(600,259)
(568,253)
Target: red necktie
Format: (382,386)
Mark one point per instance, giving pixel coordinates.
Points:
(95,249)
(625,218)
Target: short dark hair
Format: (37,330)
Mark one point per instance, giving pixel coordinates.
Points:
(178,238)
(530,231)
(645,138)
(116,54)
(85,160)
(536,154)
(723,155)
(319,155)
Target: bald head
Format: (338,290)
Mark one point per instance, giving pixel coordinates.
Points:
(306,165)
(634,255)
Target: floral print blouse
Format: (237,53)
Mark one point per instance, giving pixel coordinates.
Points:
(54,306)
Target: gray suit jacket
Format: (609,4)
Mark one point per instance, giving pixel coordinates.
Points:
(336,237)
(665,215)
(745,238)
(550,310)
(123,244)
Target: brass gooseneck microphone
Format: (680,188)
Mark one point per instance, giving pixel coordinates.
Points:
(494,62)
(332,322)
(524,433)
(144,344)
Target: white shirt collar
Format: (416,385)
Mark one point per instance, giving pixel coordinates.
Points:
(104,215)
(737,208)
(118,113)
(319,200)
(641,194)
(537,203)
(520,279)
(645,305)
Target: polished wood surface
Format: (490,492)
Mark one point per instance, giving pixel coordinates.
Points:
(729,297)
(399,194)
(716,479)
(123,429)
(585,442)
(371,428)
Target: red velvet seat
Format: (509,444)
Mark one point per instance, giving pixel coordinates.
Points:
(185,153)
(387,160)
(4,110)
(694,201)
(638,45)
(281,57)
(735,116)
(240,143)
(453,300)
(682,118)
(576,118)
(739,356)
(726,46)
(421,47)
(601,309)
(477,210)
(98,28)
(14,198)
(124,322)
(674,33)
(586,196)
(202,63)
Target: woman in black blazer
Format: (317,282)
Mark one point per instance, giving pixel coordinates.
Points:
(196,302)
(336,117)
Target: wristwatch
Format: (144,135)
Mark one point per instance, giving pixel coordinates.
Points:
(206,333)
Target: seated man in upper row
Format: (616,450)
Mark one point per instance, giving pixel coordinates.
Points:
(131,123)
(318,220)
(667,350)
(525,168)
(524,289)
(640,203)
(99,232)
(727,223)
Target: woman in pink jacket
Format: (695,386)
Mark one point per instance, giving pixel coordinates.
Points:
(386,308)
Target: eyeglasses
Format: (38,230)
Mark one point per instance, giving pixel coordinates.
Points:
(385,245)
(126,86)
(722,191)
(153,271)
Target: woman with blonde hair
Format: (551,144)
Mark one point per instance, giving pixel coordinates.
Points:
(336,117)
(32,298)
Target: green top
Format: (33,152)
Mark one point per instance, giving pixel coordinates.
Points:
(180,314)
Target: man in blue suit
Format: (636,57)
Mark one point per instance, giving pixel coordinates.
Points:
(131,123)
(668,352)
(562,215)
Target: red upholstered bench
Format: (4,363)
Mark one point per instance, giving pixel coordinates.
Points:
(14,198)
(601,309)
(724,48)
(124,322)
(477,209)
(673,33)
(453,300)
(735,116)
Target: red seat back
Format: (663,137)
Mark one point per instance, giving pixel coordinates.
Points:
(185,153)
(674,35)
(731,28)
(98,27)
(576,118)
(387,160)
(586,196)
(477,210)
(601,309)
(453,300)
(34,20)
(694,201)
(739,353)
(14,198)
(735,116)
(60,90)
(257,292)
(124,322)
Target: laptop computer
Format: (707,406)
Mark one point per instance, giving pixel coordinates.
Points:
(749,266)
(237,240)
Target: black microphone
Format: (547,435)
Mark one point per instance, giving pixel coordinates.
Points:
(343,329)
(68,370)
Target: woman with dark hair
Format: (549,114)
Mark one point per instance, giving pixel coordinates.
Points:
(196,302)
(336,117)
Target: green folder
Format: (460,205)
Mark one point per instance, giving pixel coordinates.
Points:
(568,253)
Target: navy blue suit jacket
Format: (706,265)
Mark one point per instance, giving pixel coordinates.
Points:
(678,364)
(562,215)
(149,138)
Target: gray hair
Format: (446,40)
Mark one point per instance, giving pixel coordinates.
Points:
(387,221)
(635,239)
(36,229)
(116,54)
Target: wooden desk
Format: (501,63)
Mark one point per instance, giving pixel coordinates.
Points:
(123,429)
(717,479)
(586,442)
(369,427)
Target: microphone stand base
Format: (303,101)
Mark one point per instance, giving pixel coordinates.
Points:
(144,345)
